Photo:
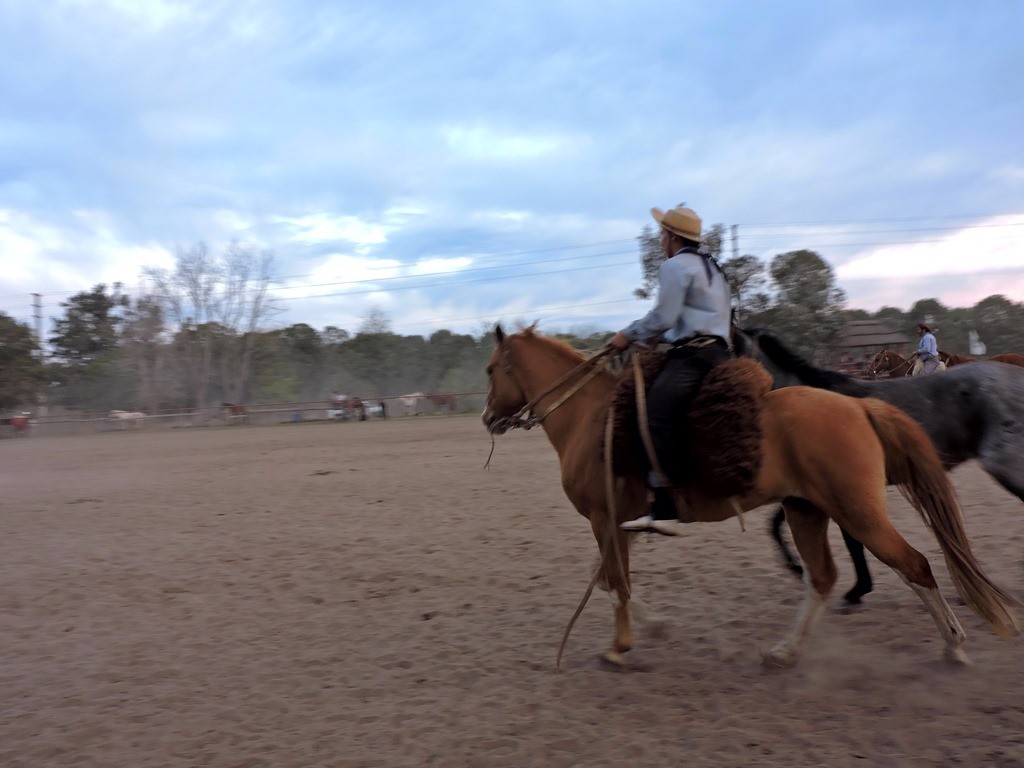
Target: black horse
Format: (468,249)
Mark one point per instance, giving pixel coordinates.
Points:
(970,412)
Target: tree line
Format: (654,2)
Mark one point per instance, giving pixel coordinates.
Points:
(198,337)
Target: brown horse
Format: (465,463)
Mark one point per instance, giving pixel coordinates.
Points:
(235,413)
(825,456)
(951,359)
(889,362)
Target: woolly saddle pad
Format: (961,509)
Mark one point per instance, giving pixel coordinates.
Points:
(725,422)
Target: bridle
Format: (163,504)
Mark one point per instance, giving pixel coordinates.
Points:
(885,358)
(877,360)
(524,418)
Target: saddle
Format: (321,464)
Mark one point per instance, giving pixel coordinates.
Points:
(725,422)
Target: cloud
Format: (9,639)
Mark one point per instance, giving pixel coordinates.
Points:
(482,143)
(361,144)
(990,245)
(324,227)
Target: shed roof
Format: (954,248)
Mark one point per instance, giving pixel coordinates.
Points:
(870,333)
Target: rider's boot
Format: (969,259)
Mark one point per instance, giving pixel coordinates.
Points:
(663,517)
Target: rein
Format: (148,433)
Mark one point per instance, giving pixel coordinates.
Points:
(524,418)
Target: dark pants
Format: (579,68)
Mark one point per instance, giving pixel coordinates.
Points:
(669,402)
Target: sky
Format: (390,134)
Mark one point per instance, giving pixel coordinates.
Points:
(454,163)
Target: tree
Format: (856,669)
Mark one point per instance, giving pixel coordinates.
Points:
(90,324)
(21,372)
(87,358)
(746,275)
(1000,324)
(331,335)
(651,256)
(217,305)
(146,350)
(893,317)
(714,240)
(376,320)
(807,304)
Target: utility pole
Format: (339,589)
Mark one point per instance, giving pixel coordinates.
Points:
(735,241)
(37,306)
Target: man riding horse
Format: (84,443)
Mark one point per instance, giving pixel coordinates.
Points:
(692,314)
(928,359)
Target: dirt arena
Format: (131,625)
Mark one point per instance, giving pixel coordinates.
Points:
(366,594)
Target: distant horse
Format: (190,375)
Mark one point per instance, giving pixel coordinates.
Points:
(443,403)
(889,362)
(411,405)
(951,359)
(343,407)
(824,456)
(127,419)
(235,413)
(969,412)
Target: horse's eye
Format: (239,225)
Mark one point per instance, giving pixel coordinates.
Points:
(490,369)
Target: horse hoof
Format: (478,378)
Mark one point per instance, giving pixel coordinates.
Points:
(957,656)
(614,658)
(782,656)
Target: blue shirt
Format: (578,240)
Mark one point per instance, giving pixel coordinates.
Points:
(688,302)
(927,349)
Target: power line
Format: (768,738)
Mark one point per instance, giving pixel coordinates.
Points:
(610,242)
(887,231)
(948,217)
(449,272)
(755,237)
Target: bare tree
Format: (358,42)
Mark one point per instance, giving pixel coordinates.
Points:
(142,335)
(216,305)
(376,320)
(242,307)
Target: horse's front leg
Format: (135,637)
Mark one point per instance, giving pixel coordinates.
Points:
(615,577)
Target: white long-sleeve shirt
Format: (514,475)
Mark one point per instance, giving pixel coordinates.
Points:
(688,303)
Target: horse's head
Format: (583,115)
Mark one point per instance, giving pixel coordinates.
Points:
(880,362)
(505,397)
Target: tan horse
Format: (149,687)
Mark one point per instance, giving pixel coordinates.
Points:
(825,456)
(889,362)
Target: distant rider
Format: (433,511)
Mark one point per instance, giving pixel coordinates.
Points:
(927,351)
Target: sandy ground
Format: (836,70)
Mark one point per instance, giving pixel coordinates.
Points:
(366,594)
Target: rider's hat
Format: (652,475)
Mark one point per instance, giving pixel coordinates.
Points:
(925,327)
(681,221)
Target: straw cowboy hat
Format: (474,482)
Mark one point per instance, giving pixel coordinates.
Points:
(680,221)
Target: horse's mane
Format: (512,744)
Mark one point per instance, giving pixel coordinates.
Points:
(561,349)
(773,349)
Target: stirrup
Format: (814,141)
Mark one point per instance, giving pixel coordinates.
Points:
(651,525)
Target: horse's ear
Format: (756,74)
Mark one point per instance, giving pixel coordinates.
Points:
(499,333)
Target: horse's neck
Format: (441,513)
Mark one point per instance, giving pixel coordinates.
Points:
(563,419)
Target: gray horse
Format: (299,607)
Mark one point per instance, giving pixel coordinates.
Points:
(971,411)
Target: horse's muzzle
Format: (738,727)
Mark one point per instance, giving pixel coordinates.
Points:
(494,424)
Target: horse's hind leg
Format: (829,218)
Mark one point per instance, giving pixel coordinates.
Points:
(864,584)
(860,564)
(809,526)
(776,532)
(885,543)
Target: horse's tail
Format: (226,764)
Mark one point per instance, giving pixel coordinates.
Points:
(913,466)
